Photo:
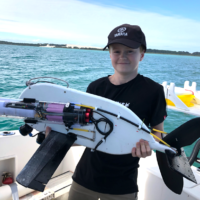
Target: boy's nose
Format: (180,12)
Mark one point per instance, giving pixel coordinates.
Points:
(123,55)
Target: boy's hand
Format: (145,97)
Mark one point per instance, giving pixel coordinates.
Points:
(142,149)
(48,130)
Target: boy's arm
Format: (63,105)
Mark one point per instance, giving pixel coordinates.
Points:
(158,127)
(142,149)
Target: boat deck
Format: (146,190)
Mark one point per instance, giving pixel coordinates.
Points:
(17,150)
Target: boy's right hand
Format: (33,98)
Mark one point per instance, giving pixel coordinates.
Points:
(48,130)
(142,149)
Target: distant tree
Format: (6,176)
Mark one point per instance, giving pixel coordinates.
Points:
(196,53)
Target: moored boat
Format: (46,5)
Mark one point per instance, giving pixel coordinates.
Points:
(186,99)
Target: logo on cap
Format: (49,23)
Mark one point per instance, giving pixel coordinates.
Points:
(122,29)
(121,32)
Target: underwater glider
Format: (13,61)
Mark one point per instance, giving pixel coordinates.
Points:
(98,123)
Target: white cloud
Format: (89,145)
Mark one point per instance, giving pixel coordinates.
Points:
(36,40)
(86,24)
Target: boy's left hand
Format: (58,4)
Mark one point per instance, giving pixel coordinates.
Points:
(142,149)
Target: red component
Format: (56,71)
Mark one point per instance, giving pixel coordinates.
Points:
(88,110)
(87,120)
(87,115)
(7,181)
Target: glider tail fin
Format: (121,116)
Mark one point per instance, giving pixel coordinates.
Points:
(46,159)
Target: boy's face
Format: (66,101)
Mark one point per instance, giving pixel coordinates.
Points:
(124,59)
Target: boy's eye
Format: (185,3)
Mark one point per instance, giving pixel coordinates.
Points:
(130,51)
(116,51)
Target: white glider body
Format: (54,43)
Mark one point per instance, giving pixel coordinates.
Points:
(120,141)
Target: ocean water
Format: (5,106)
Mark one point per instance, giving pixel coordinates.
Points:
(18,64)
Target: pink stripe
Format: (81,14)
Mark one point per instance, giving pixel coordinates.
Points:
(54,107)
(190,91)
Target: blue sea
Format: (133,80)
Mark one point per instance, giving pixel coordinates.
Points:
(78,67)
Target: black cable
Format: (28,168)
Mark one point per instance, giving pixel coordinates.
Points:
(104,119)
(34,135)
(106,134)
(130,122)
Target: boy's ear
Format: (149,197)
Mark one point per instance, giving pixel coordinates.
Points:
(141,56)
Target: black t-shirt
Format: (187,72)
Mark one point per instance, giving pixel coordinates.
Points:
(117,174)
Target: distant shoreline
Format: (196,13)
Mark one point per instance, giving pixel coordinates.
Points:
(70,46)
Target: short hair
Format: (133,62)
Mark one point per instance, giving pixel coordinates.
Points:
(142,49)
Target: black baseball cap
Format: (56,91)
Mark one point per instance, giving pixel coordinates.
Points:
(128,35)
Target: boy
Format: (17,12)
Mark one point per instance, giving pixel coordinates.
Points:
(105,176)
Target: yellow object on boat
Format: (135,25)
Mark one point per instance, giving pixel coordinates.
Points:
(196,101)
(187,99)
(169,102)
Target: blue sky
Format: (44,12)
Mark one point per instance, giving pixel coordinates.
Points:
(184,8)
(168,25)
